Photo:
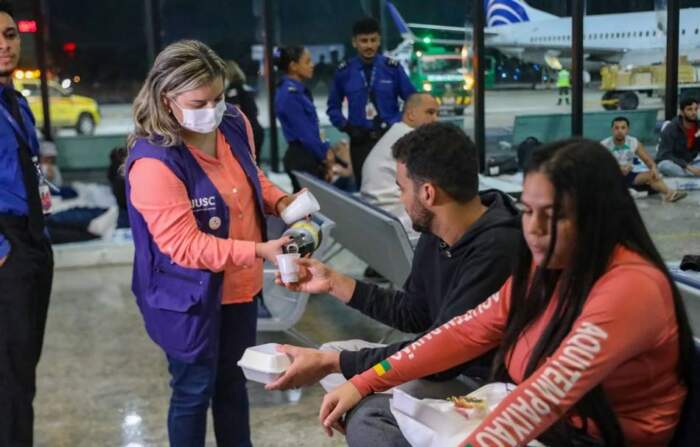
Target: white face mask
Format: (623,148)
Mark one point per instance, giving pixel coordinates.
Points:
(203,120)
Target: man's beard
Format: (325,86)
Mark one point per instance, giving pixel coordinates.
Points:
(421,218)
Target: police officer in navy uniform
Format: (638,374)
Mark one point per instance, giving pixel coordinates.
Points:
(307,151)
(372,84)
(26,260)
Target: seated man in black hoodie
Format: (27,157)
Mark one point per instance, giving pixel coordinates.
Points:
(462,258)
(679,144)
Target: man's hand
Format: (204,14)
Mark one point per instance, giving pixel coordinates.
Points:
(655,175)
(307,368)
(693,170)
(2,260)
(315,277)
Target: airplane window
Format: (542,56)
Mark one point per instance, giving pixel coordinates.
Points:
(654,34)
(683,32)
(696,30)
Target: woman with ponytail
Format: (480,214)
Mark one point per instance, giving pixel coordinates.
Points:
(294,105)
(590,326)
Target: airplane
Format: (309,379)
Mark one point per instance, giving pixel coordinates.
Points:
(629,39)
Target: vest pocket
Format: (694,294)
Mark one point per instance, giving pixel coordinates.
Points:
(174,291)
(179,317)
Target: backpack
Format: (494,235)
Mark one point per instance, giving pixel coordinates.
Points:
(525,149)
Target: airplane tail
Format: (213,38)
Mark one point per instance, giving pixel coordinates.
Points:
(401,24)
(508,12)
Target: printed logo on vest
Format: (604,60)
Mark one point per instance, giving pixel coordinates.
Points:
(203,204)
(214,223)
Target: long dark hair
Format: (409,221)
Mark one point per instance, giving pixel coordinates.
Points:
(605,215)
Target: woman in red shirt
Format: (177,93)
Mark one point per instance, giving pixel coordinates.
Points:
(590,326)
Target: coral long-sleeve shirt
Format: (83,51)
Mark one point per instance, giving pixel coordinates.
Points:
(625,338)
(162,200)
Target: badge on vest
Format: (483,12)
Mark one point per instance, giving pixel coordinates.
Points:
(215,223)
(203,204)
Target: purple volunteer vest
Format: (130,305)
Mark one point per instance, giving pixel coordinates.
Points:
(180,306)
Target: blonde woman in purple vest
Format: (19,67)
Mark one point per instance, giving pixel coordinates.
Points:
(197,204)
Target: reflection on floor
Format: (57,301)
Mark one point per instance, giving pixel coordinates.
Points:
(102,382)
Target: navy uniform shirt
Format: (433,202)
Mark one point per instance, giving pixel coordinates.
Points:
(13,197)
(387,82)
(297,114)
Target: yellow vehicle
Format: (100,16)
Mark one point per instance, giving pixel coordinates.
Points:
(67,110)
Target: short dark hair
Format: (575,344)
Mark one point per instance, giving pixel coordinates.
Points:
(686,101)
(284,56)
(442,154)
(620,118)
(7,8)
(367,25)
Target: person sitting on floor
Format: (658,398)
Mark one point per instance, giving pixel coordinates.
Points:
(625,148)
(462,257)
(679,145)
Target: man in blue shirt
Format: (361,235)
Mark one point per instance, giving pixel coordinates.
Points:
(26,260)
(372,84)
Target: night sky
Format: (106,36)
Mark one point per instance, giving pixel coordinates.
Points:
(110,35)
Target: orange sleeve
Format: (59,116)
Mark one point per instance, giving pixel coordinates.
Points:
(461,339)
(162,200)
(270,192)
(606,334)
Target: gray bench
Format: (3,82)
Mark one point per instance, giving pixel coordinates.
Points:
(373,235)
(596,125)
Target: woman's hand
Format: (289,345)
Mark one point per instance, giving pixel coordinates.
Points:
(335,404)
(270,249)
(284,202)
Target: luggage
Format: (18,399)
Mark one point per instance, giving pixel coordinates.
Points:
(525,149)
(498,164)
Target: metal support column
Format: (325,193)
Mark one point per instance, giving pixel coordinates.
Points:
(152,28)
(478,60)
(578,8)
(672,30)
(270,74)
(41,54)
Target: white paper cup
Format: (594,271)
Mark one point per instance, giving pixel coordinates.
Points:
(304,205)
(288,267)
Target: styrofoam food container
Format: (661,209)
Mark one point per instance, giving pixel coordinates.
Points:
(263,363)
